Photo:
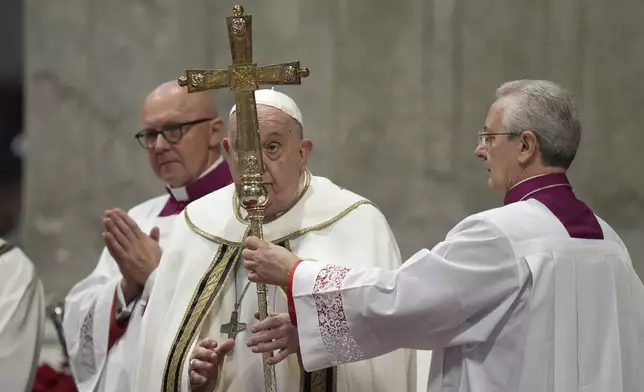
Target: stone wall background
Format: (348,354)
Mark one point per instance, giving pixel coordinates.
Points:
(396,95)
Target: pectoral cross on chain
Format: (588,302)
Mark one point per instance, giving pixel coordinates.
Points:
(233,327)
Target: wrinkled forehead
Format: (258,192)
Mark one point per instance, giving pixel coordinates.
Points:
(272,121)
(161,115)
(172,108)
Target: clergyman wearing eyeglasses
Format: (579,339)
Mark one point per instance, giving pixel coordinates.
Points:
(181,134)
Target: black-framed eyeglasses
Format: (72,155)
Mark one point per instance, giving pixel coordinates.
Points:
(172,133)
(484,137)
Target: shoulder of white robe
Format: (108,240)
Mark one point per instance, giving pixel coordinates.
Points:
(5,247)
(19,269)
(148,207)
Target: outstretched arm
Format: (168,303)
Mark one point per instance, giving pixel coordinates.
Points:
(361,239)
(451,295)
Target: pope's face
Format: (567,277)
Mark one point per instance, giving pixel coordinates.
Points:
(499,151)
(284,152)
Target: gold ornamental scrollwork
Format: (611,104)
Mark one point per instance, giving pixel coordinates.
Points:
(197,79)
(243,78)
(289,73)
(238,26)
(250,164)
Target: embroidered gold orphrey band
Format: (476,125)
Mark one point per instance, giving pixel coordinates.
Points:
(208,293)
(203,300)
(324,380)
(288,237)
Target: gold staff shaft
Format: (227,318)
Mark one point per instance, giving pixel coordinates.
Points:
(243,77)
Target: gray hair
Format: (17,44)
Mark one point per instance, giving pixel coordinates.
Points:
(547,110)
(297,127)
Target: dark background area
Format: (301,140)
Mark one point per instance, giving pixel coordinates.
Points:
(11,117)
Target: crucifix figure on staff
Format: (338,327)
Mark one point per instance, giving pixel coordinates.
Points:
(197,323)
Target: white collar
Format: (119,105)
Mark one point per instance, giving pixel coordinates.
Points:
(181,193)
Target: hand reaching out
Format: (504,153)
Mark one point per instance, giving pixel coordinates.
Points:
(204,364)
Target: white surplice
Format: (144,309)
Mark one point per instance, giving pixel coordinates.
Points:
(88,311)
(89,305)
(508,302)
(195,291)
(22,317)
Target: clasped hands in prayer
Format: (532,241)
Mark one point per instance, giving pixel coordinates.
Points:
(136,253)
(265,263)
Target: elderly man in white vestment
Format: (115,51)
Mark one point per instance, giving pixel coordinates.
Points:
(536,296)
(22,318)
(202,306)
(182,136)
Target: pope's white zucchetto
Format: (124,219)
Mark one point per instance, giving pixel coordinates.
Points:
(281,101)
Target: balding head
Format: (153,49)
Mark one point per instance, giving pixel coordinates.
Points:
(171,96)
(193,119)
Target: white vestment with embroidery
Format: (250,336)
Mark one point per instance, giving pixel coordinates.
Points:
(506,305)
(195,291)
(91,304)
(88,311)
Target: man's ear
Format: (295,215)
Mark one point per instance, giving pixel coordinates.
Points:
(217,130)
(305,150)
(529,147)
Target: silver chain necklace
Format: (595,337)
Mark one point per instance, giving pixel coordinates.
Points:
(234,327)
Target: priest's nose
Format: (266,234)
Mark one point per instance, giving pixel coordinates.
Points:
(161,144)
(479,151)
